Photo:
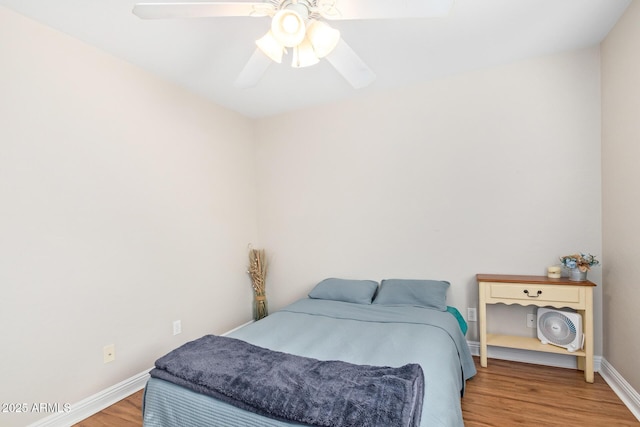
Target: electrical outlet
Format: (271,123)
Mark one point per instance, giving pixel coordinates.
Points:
(109,353)
(472,314)
(531,320)
(177,327)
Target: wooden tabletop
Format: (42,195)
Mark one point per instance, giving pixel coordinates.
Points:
(543,280)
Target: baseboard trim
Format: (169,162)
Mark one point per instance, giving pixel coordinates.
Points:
(96,403)
(239,327)
(103,399)
(629,396)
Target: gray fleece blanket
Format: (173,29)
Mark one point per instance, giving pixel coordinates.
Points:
(294,388)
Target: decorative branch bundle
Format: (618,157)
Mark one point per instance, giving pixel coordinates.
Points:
(258,273)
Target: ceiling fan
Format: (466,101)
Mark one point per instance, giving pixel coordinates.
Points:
(301,26)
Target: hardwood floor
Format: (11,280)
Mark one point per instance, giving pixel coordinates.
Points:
(126,413)
(509,394)
(504,394)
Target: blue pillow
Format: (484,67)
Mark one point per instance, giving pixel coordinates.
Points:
(420,293)
(357,291)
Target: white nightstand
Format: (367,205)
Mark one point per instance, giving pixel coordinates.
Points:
(542,292)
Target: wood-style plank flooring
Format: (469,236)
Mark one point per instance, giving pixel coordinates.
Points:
(126,413)
(519,394)
(503,394)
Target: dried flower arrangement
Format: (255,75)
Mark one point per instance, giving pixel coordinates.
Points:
(258,273)
(582,262)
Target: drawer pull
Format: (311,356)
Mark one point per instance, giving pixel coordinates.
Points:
(526,291)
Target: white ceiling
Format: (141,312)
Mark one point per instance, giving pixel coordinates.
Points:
(205,55)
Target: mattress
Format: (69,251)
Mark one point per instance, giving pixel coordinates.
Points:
(334,330)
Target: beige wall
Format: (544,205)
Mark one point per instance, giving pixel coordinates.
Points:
(125,204)
(493,171)
(621,194)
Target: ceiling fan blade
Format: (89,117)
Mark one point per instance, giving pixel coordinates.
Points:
(350,66)
(384,9)
(253,71)
(200,10)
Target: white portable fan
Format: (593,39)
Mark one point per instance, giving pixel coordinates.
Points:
(300,26)
(561,328)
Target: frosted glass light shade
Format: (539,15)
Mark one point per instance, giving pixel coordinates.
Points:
(270,47)
(303,55)
(288,28)
(323,38)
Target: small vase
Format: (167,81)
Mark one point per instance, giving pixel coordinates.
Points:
(577,276)
(260,308)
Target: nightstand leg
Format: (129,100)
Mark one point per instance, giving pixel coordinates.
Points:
(588,336)
(482,325)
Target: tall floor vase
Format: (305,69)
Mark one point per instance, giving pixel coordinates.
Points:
(260,308)
(258,273)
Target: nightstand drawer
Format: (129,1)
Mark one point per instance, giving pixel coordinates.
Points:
(529,292)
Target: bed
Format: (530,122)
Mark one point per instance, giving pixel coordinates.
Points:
(401,322)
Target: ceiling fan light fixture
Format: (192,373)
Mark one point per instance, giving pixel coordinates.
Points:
(270,47)
(323,38)
(288,27)
(304,55)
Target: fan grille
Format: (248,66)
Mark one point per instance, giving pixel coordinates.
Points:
(557,328)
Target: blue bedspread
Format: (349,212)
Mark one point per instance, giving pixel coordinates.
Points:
(330,330)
